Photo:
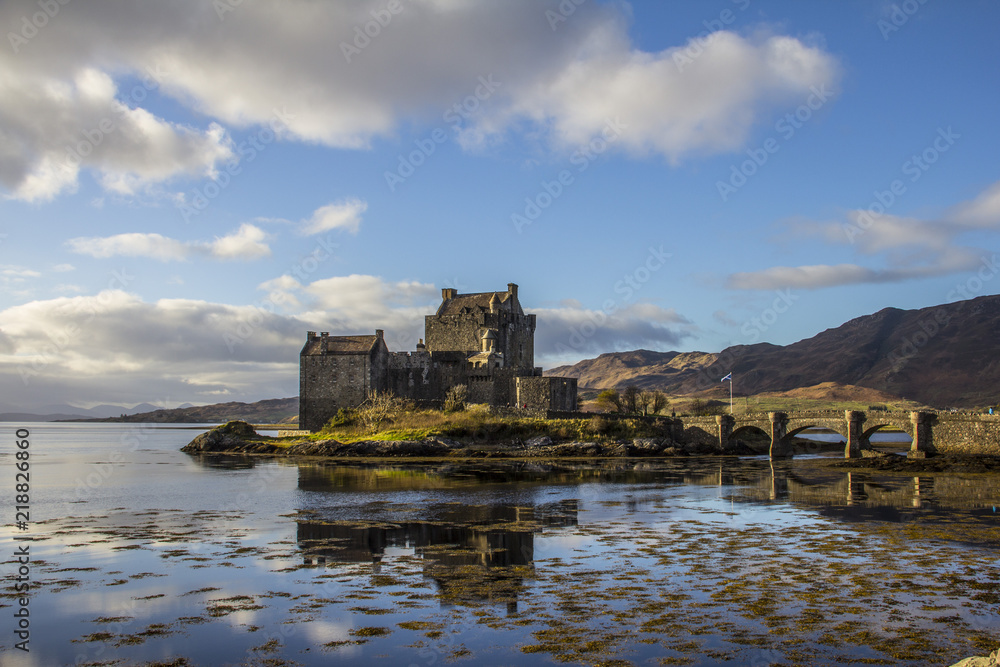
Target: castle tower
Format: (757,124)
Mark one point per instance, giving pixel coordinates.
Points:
(462,319)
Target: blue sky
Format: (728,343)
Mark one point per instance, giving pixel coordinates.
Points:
(188,187)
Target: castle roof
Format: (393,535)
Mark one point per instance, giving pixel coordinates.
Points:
(473,302)
(341,345)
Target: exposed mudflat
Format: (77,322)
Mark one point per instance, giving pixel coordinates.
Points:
(944,463)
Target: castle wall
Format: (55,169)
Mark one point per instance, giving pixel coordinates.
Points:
(328,382)
(480,389)
(515,334)
(546,393)
(425,376)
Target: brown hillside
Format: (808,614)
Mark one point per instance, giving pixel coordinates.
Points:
(943,356)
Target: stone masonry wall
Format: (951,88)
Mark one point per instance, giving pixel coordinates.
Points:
(452,332)
(328,382)
(515,335)
(546,393)
(967,434)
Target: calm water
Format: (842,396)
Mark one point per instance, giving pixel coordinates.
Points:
(141,554)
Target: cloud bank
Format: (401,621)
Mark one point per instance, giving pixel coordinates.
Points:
(126,350)
(77,95)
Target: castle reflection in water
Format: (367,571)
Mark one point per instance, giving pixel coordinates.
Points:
(473,525)
(470,551)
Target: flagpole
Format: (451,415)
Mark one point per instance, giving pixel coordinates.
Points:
(729,377)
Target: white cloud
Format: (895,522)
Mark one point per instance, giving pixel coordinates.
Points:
(59,90)
(247,242)
(822,275)
(344,214)
(983,211)
(913,248)
(674,109)
(154,246)
(53,124)
(12,272)
(14,280)
(63,268)
(117,347)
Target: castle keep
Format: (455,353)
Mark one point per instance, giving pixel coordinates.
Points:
(484,341)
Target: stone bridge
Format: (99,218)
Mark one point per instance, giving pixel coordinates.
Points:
(958,433)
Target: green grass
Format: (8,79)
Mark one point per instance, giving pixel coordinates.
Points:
(477,424)
(755,404)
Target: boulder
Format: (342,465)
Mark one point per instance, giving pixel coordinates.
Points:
(538,441)
(645,447)
(230,437)
(992,660)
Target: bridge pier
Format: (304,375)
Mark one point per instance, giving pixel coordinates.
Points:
(781,447)
(923,435)
(726,424)
(855,434)
(779,484)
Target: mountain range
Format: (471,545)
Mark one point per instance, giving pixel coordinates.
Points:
(62,411)
(269,411)
(942,356)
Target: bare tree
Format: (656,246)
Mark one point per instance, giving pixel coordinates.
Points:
(643,400)
(630,399)
(659,402)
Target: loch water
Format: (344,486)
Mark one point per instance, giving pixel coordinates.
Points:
(140,554)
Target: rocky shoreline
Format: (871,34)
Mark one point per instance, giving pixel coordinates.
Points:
(942,463)
(240,438)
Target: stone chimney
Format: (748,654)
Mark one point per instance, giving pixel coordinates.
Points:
(512,289)
(379,333)
(448,293)
(325,344)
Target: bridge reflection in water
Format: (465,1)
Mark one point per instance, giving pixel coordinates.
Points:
(814,485)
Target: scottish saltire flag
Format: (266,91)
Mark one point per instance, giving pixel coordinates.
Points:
(728,377)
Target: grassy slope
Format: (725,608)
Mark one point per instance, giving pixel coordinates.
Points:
(477,424)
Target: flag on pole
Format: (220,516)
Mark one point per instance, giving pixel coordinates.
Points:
(728,377)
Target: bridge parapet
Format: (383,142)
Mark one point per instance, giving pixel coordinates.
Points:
(931,433)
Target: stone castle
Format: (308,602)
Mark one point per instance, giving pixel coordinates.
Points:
(484,341)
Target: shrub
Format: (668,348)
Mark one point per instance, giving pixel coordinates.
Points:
(378,409)
(598,425)
(454,400)
(345,417)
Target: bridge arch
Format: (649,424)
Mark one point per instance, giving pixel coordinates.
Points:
(875,428)
(749,429)
(792,432)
